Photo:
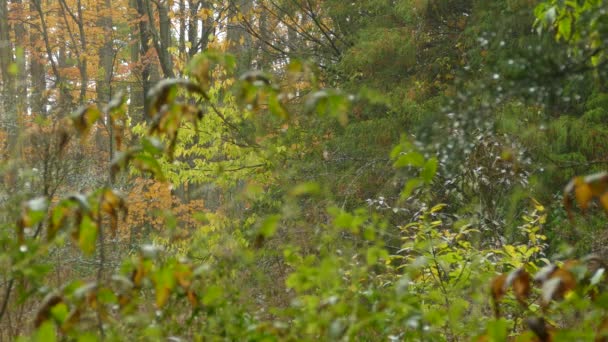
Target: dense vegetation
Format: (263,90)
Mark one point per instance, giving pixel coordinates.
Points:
(407,170)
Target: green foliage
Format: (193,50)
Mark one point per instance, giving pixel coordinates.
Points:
(325,218)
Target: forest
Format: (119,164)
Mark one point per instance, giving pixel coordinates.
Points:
(303,170)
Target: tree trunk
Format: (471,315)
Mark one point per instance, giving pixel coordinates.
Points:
(106,54)
(240,42)
(8,116)
(37,72)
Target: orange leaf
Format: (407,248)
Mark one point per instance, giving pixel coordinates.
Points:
(498,291)
(192,298)
(582,193)
(604,201)
(521,286)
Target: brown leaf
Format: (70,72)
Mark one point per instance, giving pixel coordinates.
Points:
(71,320)
(498,291)
(138,274)
(541,328)
(521,286)
(604,201)
(192,298)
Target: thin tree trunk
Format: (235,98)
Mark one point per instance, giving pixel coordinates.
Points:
(8,116)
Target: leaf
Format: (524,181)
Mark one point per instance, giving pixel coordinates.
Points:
(47,305)
(269,226)
(520,281)
(46,333)
(539,207)
(582,194)
(87,236)
(328,103)
(32,213)
(183,275)
(308,188)
(584,189)
(213,295)
(604,201)
(164,282)
(429,170)
(113,107)
(564,27)
(152,145)
(410,186)
(438,207)
(498,288)
(411,159)
(256,78)
(498,330)
(550,16)
(147,163)
(199,68)
(276,107)
(59,312)
(84,118)
(164,93)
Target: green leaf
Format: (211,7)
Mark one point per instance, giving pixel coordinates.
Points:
(269,226)
(35,211)
(106,296)
(147,163)
(87,337)
(374,254)
(564,28)
(276,107)
(60,312)
(87,235)
(152,145)
(308,188)
(410,159)
(328,103)
(164,280)
(46,333)
(498,330)
(410,186)
(430,169)
(213,295)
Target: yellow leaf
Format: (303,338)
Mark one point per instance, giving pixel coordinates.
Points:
(537,205)
(162,295)
(582,193)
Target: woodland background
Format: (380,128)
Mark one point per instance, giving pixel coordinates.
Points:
(303,170)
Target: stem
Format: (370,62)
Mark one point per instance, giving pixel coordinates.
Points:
(100,266)
(7,296)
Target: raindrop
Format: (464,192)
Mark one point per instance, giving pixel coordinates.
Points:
(23,248)
(496,76)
